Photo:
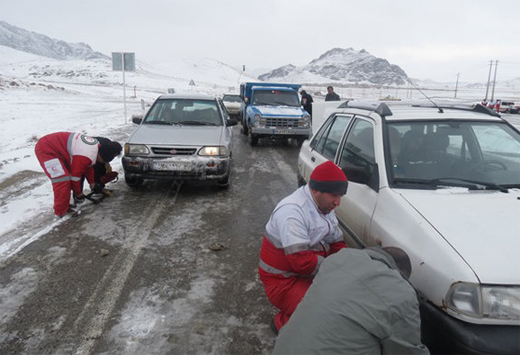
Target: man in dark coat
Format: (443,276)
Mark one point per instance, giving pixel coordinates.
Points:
(359,303)
(307,101)
(331,95)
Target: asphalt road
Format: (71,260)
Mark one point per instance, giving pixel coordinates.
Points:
(136,274)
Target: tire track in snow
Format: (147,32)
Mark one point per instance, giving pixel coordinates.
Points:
(99,308)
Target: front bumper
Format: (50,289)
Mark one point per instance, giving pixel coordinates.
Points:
(193,168)
(286,132)
(447,335)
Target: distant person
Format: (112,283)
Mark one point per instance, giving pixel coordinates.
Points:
(359,303)
(497,105)
(66,157)
(301,232)
(307,101)
(331,95)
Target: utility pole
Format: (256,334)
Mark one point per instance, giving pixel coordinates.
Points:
(456,86)
(489,78)
(494,80)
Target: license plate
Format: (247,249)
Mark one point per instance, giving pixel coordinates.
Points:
(172,166)
(280,131)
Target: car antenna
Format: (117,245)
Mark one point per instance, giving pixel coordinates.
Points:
(434,104)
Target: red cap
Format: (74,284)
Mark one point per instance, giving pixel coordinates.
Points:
(328,177)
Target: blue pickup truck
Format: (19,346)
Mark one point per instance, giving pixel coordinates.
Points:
(273,110)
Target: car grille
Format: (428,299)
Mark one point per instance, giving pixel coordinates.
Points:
(173,151)
(280,122)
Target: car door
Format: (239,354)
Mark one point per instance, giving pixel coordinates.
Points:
(357,159)
(325,144)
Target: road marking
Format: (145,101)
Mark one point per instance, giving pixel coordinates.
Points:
(102,302)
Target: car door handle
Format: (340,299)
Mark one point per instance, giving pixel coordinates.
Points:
(313,159)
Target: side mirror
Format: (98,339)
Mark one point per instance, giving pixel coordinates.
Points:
(231,122)
(363,175)
(357,174)
(137,119)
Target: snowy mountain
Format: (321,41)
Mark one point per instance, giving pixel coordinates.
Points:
(35,43)
(30,55)
(342,66)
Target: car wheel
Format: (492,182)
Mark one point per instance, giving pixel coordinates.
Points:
(224,182)
(133,182)
(244,129)
(300,140)
(301,181)
(253,140)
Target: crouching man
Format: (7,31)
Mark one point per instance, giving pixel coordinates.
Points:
(301,232)
(359,303)
(68,156)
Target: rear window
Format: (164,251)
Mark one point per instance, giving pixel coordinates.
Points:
(231,98)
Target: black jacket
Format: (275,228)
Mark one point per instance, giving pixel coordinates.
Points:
(332,97)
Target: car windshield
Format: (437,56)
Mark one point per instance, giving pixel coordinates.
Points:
(184,112)
(454,153)
(276,98)
(231,98)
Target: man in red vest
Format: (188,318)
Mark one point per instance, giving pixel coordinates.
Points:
(66,157)
(301,232)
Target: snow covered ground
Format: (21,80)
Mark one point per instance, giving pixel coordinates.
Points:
(40,96)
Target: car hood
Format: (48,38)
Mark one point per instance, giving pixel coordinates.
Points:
(277,111)
(483,227)
(178,135)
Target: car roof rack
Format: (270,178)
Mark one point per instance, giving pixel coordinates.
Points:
(475,108)
(381,109)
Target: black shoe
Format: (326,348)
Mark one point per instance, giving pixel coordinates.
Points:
(273,327)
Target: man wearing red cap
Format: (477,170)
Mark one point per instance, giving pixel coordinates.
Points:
(301,232)
(67,156)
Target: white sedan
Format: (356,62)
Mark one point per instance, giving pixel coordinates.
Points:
(444,185)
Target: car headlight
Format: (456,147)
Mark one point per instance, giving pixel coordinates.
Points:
(213,151)
(305,122)
(136,149)
(257,120)
(485,303)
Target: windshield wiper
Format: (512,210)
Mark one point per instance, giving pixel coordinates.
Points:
(197,123)
(414,181)
(452,182)
(158,122)
(473,184)
(285,104)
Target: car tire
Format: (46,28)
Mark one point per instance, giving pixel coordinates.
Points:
(133,182)
(300,140)
(224,182)
(301,180)
(244,129)
(253,140)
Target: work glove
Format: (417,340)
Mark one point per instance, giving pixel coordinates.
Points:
(108,177)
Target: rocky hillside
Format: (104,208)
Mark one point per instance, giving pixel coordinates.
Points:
(342,66)
(39,44)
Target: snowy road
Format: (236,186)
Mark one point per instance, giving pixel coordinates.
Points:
(135,274)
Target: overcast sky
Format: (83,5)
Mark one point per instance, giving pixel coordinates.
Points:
(428,39)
